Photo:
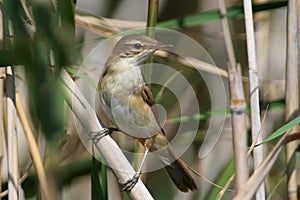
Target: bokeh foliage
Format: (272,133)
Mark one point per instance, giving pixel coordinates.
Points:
(42,45)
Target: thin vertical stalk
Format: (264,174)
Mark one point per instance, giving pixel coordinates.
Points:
(151,22)
(227,36)
(152,16)
(12,140)
(33,147)
(2,77)
(254,92)
(292,95)
(2,123)
(238,107)
(239,130)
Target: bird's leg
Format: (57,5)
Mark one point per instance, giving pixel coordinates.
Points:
(98,135)
(131,182)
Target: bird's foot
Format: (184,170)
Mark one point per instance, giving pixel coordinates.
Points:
(130,183)
(98,135)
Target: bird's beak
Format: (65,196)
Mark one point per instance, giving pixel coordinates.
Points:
(163,46)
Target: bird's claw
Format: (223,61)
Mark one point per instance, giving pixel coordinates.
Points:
(98,135)
(130,183)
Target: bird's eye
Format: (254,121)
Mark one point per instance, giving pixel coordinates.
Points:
(137,45)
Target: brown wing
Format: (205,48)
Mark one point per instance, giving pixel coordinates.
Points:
(148,98)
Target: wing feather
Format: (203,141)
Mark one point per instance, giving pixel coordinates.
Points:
(145,97)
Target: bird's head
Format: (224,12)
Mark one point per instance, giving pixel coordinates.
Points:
(135,48)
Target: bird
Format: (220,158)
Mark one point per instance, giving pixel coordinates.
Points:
(127,105)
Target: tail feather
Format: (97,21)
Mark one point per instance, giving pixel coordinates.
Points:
(177,170)
(180,175)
